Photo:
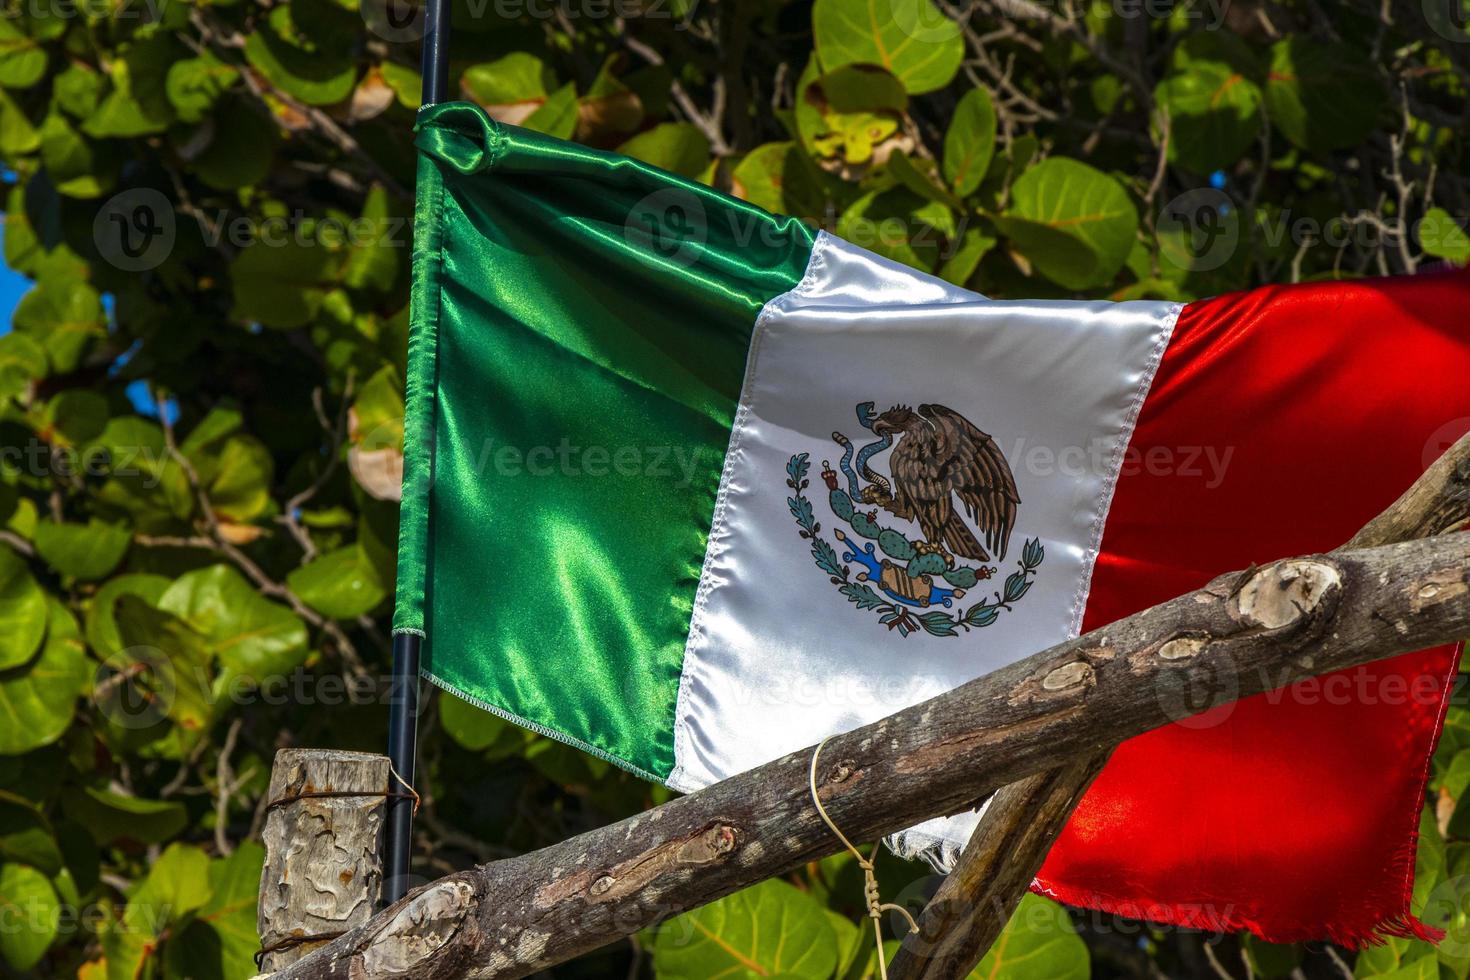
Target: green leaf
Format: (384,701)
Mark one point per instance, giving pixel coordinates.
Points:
(377,412)
(519,78)
(138,103)
(253,637)
(759,177)
(557,116)
(18,135)
(63,316)
(970,142)
(1076,224)
(177,884)
(193,85)
(22,611)
(241,153)
(478,730)
(855,947)
(766,930)
(964,260)
(922,178)
(26,836)
(1214,113)
(912,39)
(22,59)
(676,147)
(110,816)
(1447,907)
(861,88)
(342,584)
(223,421)
(35,914)
(78,89)
(166,666)
(236,470)
(84,551)
(296,65)
(78,167)
(1270,961)
(404,81)
(1441,236)
(74,417)
(281,284)
(238,479)
(1397,959)
(897,224)
(39,699)
(220,940)
(1322,97)
(1039,941)
(101,619)
(22,361)
(377,242)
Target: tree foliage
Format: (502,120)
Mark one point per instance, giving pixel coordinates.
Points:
(201,393)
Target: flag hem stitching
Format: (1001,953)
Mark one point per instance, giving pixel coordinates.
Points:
(1104,501)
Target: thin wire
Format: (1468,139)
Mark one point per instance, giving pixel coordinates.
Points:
(412,794)
(876,906)
(405,784)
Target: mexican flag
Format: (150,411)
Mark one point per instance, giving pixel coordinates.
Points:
(691,486)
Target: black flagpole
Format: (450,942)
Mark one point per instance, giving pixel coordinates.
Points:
(403,699)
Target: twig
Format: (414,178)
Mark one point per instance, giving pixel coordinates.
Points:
(17,542)
(324,125)
(709,125)
(224,778)
(267,585)
(290,516)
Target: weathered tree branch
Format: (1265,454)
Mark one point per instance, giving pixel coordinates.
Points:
(1263,628)
(1024,819)
(1437,503)
(995,869)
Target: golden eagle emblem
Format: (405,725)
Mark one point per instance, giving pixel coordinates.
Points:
(942,470)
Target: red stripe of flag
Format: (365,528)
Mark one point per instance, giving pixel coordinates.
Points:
(1281,420)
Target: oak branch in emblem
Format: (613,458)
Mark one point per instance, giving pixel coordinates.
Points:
(940,455)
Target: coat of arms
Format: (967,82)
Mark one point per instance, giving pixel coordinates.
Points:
(941,464)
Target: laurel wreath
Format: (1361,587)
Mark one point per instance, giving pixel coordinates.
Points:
(893,615)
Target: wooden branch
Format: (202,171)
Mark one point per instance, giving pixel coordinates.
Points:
(1023,820)
(1264,628)
(322,869)
(1437,503)
(995,869)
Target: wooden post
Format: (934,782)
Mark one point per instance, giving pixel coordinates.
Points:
(323,869)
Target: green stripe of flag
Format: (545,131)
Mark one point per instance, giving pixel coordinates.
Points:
(579,336)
